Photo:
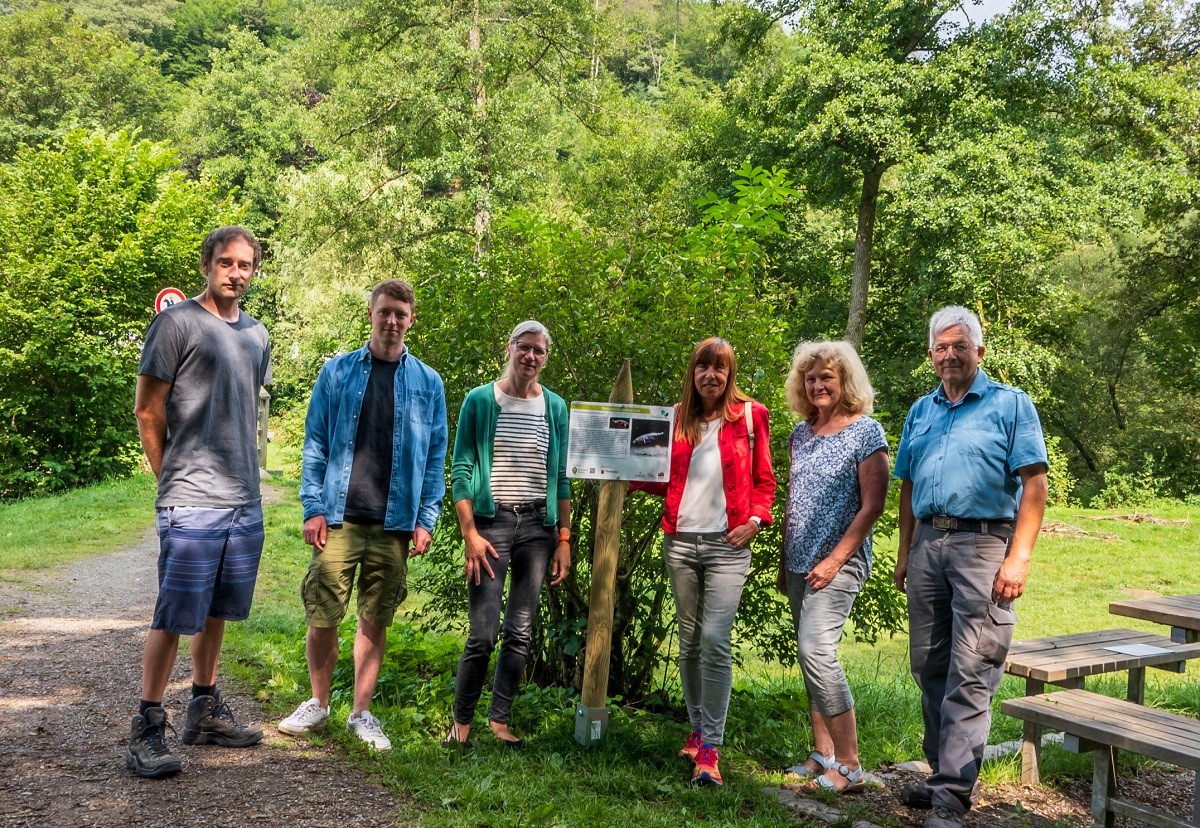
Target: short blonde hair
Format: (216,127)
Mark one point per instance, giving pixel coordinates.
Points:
(858,397)
(529,326)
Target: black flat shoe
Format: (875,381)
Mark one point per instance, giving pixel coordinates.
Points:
(519,744)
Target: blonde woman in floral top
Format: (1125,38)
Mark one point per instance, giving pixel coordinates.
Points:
(836,491)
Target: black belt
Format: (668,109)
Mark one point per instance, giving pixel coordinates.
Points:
(996,528)
(519,508)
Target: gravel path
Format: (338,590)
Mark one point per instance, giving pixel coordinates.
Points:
(70,672)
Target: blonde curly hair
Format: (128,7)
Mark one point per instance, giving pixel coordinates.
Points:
(858,397)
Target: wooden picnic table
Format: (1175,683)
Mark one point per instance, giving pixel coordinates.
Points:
(1180,612)
(1065,660)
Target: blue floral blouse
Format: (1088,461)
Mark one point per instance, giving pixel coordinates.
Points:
(823,491)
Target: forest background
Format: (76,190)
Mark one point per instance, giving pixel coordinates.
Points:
(637,175)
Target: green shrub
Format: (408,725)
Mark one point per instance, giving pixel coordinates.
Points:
(95,224)
(1126,486)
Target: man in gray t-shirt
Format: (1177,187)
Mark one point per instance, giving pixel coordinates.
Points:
(197,411)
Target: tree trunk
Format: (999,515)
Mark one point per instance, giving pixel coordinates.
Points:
(1085,454)
(483,215)
(864,240)
(595,45)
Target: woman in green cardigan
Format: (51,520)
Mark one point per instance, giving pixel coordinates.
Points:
(510,489)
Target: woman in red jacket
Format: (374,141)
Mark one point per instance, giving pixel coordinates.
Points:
(718,498)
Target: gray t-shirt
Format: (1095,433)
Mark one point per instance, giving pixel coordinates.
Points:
(215,369)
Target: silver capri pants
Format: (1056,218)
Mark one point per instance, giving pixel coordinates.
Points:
(819,617)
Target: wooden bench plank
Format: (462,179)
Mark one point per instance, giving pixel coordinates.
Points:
(1157,734)
(1145,814)
(1051,642)
(1059,658)
(1176,740)
(1095,705)
(1172,610)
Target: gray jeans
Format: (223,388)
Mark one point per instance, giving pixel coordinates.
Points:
(819,617)
(958,643)
(707,576)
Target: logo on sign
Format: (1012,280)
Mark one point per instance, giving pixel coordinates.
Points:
(167,297)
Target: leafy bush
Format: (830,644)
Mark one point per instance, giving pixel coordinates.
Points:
(96,225)
(55,73)
(1059,480)
(1130,487)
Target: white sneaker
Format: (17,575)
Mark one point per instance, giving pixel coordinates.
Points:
(366,727)
(308,717)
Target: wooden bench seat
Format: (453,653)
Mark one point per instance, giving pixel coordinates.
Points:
(1090,721)
(1066,660)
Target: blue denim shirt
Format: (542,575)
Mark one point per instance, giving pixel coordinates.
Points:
(418,446)
(963,457)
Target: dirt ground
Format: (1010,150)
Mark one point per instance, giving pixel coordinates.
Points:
(1018,806)
(70,674)
(70,668)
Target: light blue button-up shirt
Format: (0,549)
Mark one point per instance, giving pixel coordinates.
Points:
(419,438)
(963,457)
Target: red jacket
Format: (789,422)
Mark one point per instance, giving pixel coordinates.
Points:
(749,479)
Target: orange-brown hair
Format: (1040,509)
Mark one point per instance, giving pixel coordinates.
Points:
(711,351)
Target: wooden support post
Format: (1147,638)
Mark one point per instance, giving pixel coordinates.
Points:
(1031,739)
(1136,692)
(1104,785)
(591,716)
(264,413)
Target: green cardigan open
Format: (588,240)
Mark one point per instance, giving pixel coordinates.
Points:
(471,471)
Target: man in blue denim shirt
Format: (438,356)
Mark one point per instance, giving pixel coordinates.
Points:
(972,459)
(372,483)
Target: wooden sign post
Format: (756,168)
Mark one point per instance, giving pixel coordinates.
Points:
(591,715)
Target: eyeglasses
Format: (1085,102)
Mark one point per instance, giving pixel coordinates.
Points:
(525,348)
(957,347)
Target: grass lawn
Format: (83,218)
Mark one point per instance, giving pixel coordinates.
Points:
(1086,559)
(633,777)
(42,532)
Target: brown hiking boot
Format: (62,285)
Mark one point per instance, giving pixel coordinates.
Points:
(211,722)
(148,754)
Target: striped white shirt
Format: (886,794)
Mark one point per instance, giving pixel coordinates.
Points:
(519,450)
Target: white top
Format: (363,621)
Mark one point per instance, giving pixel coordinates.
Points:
(519,449)
(702,508)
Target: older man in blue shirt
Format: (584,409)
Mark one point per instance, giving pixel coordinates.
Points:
(371,482)
(972,459)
